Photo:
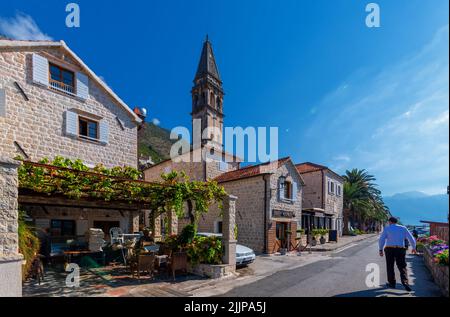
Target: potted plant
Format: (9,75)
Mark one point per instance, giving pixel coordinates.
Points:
(323,232)
(314,234)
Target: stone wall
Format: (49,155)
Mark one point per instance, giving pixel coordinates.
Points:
(37,125)
(10,259)
(312,192)
(188,163)
(440,273)
(334,203)
(289,171)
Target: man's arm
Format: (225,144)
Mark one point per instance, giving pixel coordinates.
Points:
(411,239)
(382,240)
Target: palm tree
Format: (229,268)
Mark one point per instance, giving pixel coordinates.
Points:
(363,203)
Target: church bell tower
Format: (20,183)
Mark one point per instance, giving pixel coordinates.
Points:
(207,97)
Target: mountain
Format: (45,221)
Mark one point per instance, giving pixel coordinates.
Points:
(411,207)
(154,142)
(409,195)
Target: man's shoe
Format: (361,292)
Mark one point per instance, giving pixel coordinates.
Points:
(389,285)
(407,288)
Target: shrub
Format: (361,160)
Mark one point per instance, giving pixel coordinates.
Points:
(315,232)
(206,250)
(187,235)
(442,257)
(28,244)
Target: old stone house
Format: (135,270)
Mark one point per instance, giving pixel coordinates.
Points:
(52,103)
(323,197)
(269,204)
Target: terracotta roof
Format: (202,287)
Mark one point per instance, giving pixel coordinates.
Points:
(308,167)
(249,171)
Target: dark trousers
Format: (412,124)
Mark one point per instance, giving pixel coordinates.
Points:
(396,256)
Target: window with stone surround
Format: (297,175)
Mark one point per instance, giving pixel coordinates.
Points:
(88,128)
(61,78)
(285,188)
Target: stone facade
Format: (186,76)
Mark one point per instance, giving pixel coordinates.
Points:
(37,125)
(10,259)
(334,202)
(259,208)
(193,165)
(318,195)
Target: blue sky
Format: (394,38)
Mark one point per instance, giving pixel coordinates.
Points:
(342,94)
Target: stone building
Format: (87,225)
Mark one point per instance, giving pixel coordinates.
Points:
(53,104)
(323,197)
(268,205)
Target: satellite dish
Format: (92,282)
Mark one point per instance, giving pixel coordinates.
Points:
(143,112)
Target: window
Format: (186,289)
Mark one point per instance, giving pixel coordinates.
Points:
(331,187)
(88,128)
(62,79)
(219,227)
(338,190)
(288,190)
(285,188)
(212,100)
(62,228)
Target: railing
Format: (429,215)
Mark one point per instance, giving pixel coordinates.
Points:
(61,86)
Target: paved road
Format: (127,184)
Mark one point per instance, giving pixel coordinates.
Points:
(342,274)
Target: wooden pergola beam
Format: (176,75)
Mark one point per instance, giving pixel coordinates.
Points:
(43,200)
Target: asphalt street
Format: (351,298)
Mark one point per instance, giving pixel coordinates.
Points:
(342,274)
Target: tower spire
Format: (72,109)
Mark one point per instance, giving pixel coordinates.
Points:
(207,64)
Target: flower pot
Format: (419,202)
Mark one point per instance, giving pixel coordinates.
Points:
(313,242)
(323,240)
(283,251)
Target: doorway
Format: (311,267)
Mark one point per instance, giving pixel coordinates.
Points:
(281,234)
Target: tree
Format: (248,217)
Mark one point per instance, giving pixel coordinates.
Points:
(363,204)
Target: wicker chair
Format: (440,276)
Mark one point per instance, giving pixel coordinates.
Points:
(144,263)
(178,262)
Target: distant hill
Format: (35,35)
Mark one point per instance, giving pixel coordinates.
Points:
(412,207)
(154,142)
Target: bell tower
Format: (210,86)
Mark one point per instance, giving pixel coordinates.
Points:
(207,97)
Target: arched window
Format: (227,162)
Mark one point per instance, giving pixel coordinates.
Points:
(203,98)
(212,99)
(218,103)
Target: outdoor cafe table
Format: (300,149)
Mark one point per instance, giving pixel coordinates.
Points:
(68,254)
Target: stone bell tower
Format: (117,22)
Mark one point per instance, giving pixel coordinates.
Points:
(207,97)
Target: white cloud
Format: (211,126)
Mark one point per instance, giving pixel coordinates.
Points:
(393,122)
(342,157)
(22,27)
(156,121)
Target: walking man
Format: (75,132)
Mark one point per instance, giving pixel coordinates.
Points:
(392,240)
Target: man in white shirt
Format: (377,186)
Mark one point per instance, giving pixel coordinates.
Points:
(392,240)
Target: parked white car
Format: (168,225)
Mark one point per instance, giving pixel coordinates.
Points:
(244,255)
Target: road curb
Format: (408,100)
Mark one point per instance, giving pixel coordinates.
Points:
(333,248)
